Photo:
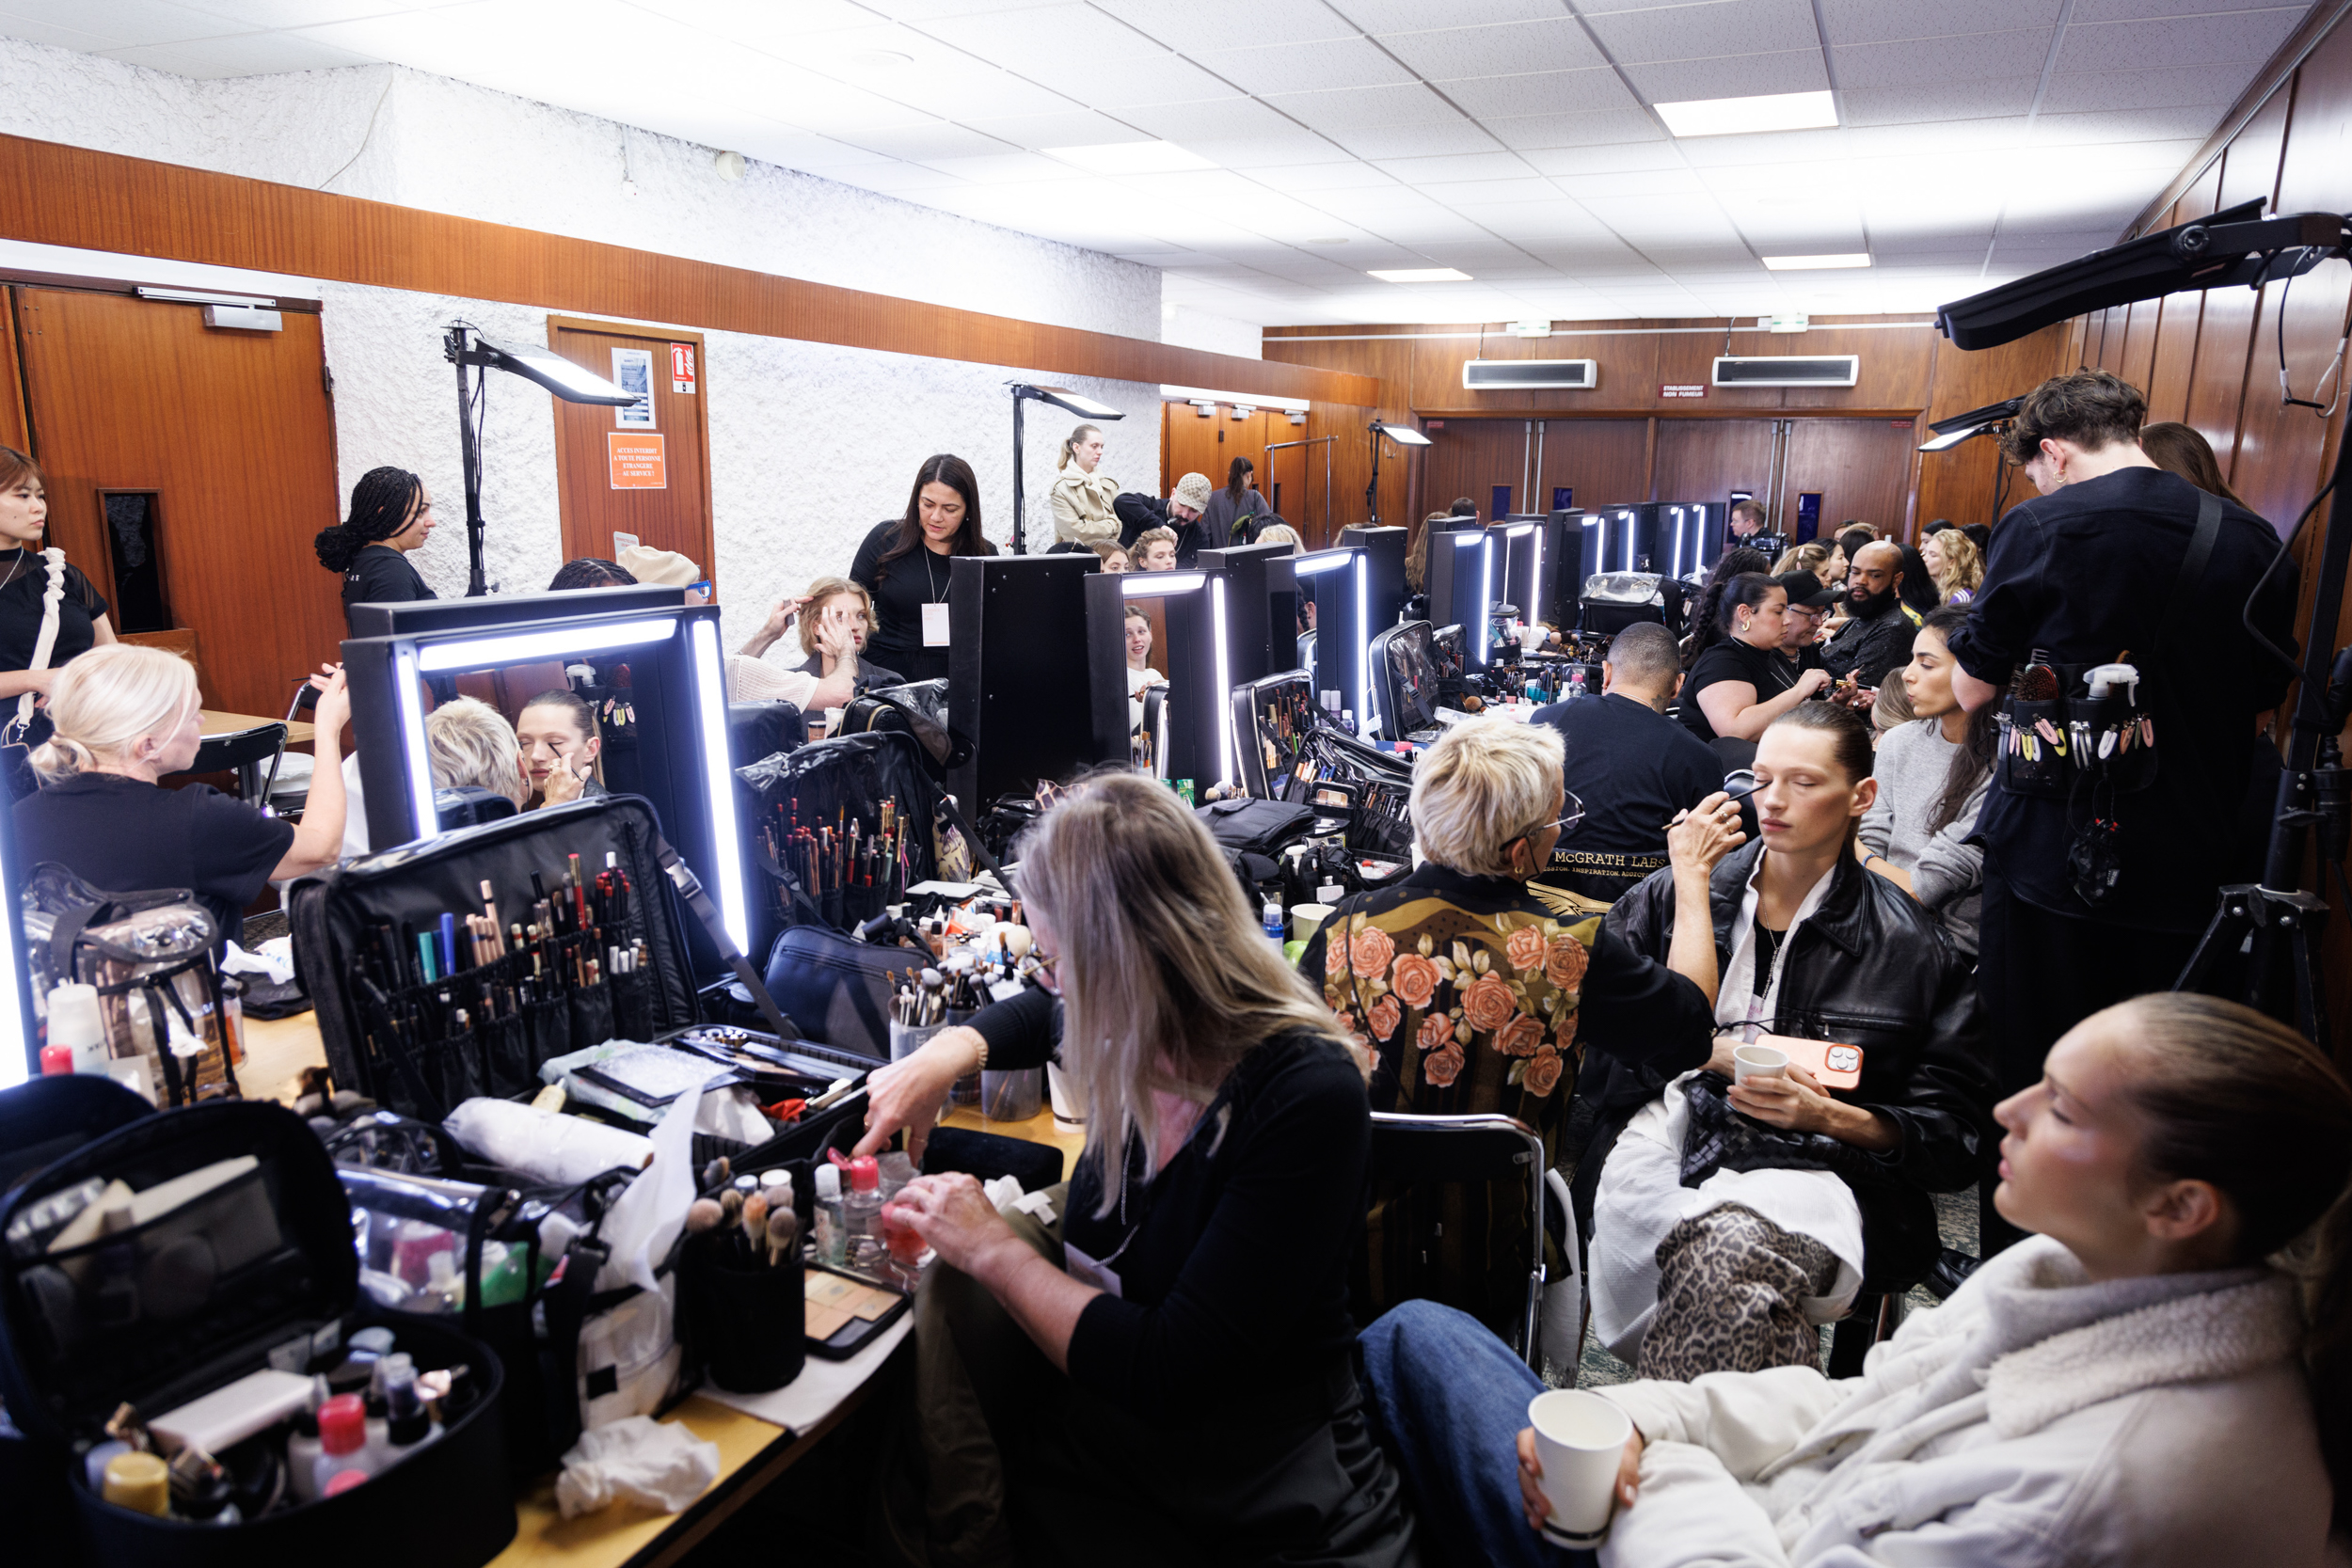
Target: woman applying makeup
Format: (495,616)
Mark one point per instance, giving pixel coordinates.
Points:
(1740,683)
(1182,1390)
(560,740)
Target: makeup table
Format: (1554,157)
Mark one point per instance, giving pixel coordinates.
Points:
(754,1451)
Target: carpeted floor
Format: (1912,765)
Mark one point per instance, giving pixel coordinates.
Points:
(1956,1217)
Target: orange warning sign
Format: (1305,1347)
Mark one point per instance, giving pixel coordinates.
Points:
(636,461)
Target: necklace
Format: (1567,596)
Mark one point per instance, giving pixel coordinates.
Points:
(1767,956)
(22,554)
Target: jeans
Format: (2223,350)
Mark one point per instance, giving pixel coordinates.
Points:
(1452,1401)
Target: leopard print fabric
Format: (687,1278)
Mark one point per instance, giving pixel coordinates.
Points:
(1729,1286)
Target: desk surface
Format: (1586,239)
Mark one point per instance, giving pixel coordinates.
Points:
(216,722)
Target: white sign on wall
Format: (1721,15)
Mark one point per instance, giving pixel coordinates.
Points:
(633,371)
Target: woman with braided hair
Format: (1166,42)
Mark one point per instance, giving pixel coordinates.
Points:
(390,515)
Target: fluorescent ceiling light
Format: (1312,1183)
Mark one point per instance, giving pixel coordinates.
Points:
(1731,116)
(1421,275)
(1129,157)
(1808,264)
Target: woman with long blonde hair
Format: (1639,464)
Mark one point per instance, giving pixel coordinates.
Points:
(1953,560)
(1195,1400)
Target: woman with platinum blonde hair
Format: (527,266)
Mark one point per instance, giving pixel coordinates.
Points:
(127,716)
(1476,996)
(1184,1387)
(469,745)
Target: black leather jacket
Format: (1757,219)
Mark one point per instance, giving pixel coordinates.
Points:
(1868,968)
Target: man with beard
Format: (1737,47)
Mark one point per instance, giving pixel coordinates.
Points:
(1877,637)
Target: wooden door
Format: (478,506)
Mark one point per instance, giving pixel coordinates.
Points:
(1605,461)
(12,428)
(1704,460)
(1189,444)
(1861,468)
(232,434)
(617,475)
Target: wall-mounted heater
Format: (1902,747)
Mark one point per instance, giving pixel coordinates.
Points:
(1756,369)
(1519,375)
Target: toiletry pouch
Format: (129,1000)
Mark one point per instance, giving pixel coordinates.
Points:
(233,1254)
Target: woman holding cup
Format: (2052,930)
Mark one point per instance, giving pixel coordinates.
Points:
(2136,1384)
(1732,1210)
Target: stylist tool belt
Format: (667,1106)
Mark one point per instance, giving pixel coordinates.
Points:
(176,1282)
(451,968)
(2081,734)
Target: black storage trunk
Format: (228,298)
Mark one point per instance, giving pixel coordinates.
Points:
(335,918)
(65,1361)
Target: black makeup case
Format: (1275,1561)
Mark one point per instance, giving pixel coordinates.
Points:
(253,1271)
(385,1031)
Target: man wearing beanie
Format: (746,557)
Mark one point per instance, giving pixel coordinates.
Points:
(1180,514)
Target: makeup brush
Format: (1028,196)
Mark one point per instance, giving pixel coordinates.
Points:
(784,1234)
(704,1214)
(730,1205)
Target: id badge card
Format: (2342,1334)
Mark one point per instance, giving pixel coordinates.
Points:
(934,625)
(1086,1271)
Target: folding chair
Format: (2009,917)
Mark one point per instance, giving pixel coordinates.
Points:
(1415,1150)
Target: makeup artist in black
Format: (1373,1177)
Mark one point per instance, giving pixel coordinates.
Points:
(2098,568)
(390,517)
(27,667)
(1184,1390)
(906,565)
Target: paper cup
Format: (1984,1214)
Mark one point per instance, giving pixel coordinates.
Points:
(1068,1115)
(1758,1061)
(1579,1439)
(1307,919)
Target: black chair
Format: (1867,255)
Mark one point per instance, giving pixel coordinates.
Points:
(242,752)
(1417,1151)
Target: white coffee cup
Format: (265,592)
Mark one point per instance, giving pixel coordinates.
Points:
(1580,1441)
(832,720)
(1305,919)
(1758,1061)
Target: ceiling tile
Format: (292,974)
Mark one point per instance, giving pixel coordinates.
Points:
(121,24)
(1533,133)
(1702,31)
(752,22)
(1419,172)
(2179,86)
(1350,174)
(1265,149)
(1194,26)
(1072,128)
(1730,76)
(1365,108)
(1850,22)
(1976,56)
(1022,39)
(1404,16)
(1774,148)
(2131,10)
(2249,36)
(1617,158)
(1349,62)
(1542,92)
(924,143)
(1226,117)
(253,55)
(1416,141)
(2189,122)
(1929,100)
(1005,168)
(896,177)
(1559,43)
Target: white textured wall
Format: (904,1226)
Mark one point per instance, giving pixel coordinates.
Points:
(810,444)
(1187,327)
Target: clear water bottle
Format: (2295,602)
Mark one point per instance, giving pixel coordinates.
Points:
(1576,683)
(1272,914)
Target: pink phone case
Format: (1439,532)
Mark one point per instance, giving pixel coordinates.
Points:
(1832,1065)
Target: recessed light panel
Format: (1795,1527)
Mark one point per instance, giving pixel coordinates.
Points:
(1421,275)
(1732,117)
(1810,264)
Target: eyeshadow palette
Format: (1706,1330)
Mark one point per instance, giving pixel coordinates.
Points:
(843,1312)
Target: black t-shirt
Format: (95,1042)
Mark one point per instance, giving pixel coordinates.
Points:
(381,574)
(24,582)
(1733,660)
(122,836)
(1633,768)
(2085,575)
(901,591)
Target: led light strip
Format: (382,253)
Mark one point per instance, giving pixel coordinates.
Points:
(520,647)
(1227,759)
(428,821)
(710,713)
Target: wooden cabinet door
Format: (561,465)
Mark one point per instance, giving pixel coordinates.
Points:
(605,465)
(233,433)
(1861,468)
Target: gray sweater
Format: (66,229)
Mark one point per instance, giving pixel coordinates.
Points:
(1947,875)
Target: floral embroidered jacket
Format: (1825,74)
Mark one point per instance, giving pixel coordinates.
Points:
(1474,997)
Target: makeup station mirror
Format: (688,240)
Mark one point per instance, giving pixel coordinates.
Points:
(1261,608)
(1333,586)
(1462,579)
(633,702)
(1384,568)
(1020,686)
(1162,632)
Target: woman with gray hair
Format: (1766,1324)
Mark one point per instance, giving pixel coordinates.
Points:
(1474,996)
(1183,1389)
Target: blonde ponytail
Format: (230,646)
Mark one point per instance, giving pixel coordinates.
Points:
(109,700)
(1070,443)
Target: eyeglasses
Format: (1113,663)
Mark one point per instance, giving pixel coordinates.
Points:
(1571,814)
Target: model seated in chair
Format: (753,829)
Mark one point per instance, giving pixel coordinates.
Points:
(1727,1222)
(1474,995)
(2134,1388)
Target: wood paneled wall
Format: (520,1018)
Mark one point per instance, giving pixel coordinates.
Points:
(69,195)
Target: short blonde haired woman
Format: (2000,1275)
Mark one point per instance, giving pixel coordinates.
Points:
(1281,533)
(1477,994)
(1082,496)
(1955,563)
(1195,1398)
(125,716)
(469,744)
